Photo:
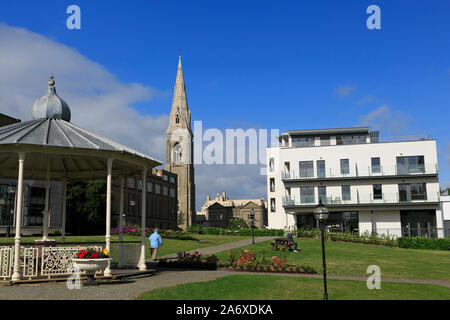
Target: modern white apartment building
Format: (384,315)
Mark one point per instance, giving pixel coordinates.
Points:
(367,184)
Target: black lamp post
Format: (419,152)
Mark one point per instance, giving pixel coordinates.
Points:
(252,217)
(11,192)
(321,214)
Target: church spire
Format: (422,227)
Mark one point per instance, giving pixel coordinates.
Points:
(179,92)
(180,114)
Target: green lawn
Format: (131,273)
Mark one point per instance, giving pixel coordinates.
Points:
(353,259)
(170,246)
(256,287)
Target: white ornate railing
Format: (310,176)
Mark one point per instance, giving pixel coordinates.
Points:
(30,262)
(6,262)
(58,260)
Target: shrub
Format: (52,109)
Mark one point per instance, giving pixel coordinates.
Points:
(424,243)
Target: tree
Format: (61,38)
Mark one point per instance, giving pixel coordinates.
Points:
(236,224)
(86,207)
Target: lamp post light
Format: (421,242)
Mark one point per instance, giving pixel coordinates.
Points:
(321,214)
(11,192)
(252,217)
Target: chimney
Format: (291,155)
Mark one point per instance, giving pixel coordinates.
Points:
(224,196)
(208,198)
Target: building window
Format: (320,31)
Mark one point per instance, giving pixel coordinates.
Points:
(272,164)
(272,205)
(346,193)
(131,183)
(177,119)
(272,184)
(300,142)
(172,192)
(345,166)
(342,140)
(172,180)
(157,189)
(165,177)
(321,169)
(165,191)
(414,164)
(377,192)
(307,195)
(139,184)
(149,187)
(413,191)
(376,167)
(323,194)
(306,169)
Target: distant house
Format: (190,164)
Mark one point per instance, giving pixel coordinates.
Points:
(219,211)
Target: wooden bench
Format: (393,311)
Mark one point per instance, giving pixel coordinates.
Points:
(281,242)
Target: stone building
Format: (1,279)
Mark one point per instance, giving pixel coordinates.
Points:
(179,149)
(161,200)
(219,211)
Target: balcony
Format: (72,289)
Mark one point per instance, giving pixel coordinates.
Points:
(361,172)
(364,199)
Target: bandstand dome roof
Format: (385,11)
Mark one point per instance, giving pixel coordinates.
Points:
(71,151)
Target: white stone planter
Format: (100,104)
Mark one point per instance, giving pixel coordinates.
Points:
(90,267)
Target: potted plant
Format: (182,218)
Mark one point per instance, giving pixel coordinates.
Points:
(90,261)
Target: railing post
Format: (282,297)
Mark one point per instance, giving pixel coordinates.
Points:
(419,231)
(429,229)
(409,230)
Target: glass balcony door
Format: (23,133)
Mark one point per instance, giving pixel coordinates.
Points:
(321,169)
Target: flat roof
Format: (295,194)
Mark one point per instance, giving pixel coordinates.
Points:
(328,131)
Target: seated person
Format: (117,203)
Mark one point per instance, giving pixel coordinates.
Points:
(290,238)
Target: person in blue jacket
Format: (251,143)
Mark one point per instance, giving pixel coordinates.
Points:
(155,242)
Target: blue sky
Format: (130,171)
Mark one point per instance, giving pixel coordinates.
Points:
(271,64)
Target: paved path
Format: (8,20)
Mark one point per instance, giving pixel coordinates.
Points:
(132,287)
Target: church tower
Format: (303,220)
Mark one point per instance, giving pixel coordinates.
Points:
(179,149)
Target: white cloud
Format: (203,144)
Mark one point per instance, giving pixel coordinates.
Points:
(98,100)
(344,91)
(102,103)
(387,119)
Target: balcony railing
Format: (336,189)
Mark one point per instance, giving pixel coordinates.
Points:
(306,144)
(380,171)
(363,199)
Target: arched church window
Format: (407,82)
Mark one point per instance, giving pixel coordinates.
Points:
(177,119)
(176,153)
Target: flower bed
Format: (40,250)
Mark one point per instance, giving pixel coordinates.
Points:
(247,261)
(191,261)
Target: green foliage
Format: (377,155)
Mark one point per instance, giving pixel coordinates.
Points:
(366,237)
(424,243)
(239,232)
(236,224)
(86,207)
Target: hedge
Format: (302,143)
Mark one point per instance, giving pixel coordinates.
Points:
(239,232)
(424,243)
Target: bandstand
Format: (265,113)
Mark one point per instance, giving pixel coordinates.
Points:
(50,147)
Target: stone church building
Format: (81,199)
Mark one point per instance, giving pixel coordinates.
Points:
(179,150)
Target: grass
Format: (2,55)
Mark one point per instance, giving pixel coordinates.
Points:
(255,287)
(170,246)
(353,259)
